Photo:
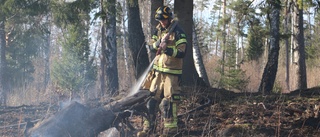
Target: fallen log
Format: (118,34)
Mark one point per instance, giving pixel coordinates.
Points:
(77,120)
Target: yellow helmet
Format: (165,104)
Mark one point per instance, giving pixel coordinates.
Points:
(163,12)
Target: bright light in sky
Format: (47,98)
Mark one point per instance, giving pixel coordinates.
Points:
(69,1)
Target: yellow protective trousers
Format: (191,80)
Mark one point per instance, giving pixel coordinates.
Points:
(168,90)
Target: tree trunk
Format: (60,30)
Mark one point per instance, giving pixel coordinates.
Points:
(198,62)
(3,95)
(47,51)
(102,56)
(286,29)
(125,47)
(136,39)
(270,70)
(299,64)
(78,120)
(217,35)
(224,38)
(110,52)
(184,12)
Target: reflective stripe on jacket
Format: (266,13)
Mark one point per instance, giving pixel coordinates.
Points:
(171,60)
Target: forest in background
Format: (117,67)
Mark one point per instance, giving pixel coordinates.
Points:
(52,49)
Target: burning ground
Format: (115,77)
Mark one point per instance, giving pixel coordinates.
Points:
(227,114)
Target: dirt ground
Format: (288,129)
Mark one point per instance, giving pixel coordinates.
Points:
(220,113)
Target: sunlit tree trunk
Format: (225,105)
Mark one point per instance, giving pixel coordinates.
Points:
(198,62)
(111,49)
(299,64)
(270,70)
(286,29)
(125,46)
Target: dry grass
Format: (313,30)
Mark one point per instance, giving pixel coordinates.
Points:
(254,71)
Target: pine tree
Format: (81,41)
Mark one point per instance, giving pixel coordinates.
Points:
(255,40)
(233,78)
(74,71)
(22,31)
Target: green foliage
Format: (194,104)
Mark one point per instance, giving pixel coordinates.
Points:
(256,37)
(233,77)
(20,53)
(72,74)
(312,49)
(71,13)
(74,71)
(25,33)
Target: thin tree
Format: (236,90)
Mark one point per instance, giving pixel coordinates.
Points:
(103,47)
(224,40)
(198,62)
(3,97)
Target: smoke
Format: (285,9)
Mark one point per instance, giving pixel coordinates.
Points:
(63,104)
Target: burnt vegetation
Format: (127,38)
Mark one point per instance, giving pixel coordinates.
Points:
(209,112)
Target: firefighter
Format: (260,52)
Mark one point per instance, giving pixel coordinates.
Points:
(165,76)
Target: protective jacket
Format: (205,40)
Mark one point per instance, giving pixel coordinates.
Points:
(169,60)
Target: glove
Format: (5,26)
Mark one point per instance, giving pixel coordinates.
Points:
(163,44)
(157,43)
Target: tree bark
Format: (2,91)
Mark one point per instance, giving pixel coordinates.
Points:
(270,70)
(136,39)
(286,29)
(125,47)
(224,38)
(102,56)
(110,52)
(299,64)
(183,10)
(198,62)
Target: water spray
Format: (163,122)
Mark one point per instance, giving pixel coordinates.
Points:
(141,79)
